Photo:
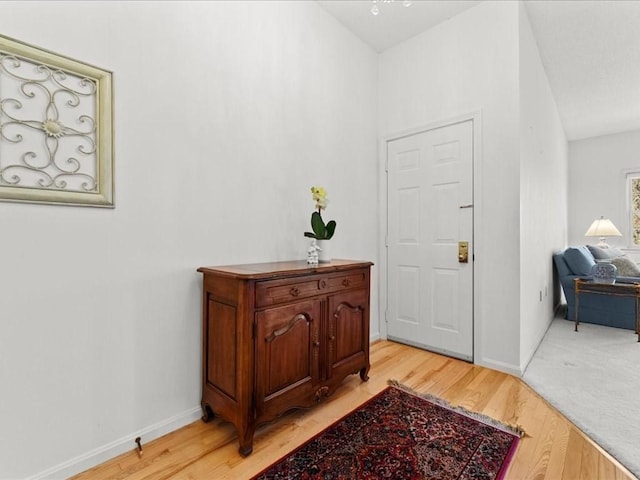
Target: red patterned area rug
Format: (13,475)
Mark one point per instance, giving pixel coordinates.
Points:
(401,435)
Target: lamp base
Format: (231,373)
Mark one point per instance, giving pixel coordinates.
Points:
(603,243)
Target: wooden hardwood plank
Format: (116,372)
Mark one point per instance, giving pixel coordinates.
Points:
(573,459)
(539,449)
(508,402)
(530,458)
(552,449)
(589,462)
(559,448)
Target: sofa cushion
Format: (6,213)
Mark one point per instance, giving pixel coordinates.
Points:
(604,253)
(626,267)
(579,259)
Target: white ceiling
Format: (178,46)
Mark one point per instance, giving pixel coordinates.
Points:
(590,50)
(395,23)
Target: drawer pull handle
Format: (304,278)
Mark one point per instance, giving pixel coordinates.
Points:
(316,343)
(346,282)
(295,291)
(332,337)
(323,284)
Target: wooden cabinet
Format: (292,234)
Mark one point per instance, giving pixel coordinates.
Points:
(277,336)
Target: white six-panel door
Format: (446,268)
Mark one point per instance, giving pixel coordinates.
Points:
(430,197)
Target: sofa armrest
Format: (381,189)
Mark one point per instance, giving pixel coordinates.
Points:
(561,265)
(568,286)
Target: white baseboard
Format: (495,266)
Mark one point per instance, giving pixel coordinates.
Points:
(125,444)
(540,338)
(514,370)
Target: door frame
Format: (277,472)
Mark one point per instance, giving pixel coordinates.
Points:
(478,244)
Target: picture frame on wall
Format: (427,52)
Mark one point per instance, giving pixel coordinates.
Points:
(56,128)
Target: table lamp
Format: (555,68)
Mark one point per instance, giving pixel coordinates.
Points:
(603,227)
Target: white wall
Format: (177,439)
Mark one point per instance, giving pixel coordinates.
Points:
(470,63)
(225,114)
(597,171)
(543,193)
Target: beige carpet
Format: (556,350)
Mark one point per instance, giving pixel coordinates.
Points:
(593,378)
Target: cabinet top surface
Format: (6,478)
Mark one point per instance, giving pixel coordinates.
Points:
(295,267)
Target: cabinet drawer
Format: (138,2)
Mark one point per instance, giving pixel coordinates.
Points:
(273,292)
(347,280)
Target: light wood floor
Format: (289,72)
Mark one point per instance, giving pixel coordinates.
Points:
(552,449)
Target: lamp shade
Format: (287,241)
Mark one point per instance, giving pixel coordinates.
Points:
(602,227)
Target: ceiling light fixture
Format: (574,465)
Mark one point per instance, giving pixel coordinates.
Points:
(375,10)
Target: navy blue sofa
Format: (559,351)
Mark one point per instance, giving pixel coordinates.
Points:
(594,308)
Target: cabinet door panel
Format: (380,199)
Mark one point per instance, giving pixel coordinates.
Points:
(348,333)
(286,356)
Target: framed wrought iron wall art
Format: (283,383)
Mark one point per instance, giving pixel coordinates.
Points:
(56,128)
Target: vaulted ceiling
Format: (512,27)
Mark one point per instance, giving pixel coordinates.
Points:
(590,50)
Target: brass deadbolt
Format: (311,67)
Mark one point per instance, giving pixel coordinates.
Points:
(463,252)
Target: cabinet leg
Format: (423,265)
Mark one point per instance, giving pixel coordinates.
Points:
(364,373)
(245,451)
(246,441)
(207,413)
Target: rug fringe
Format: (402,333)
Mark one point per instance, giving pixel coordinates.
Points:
(515,429)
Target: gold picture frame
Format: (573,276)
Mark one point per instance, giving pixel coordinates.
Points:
(56,128)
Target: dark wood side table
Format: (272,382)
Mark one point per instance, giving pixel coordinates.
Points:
(584,285)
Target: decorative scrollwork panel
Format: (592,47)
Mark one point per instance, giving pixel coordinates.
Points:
(56,143)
